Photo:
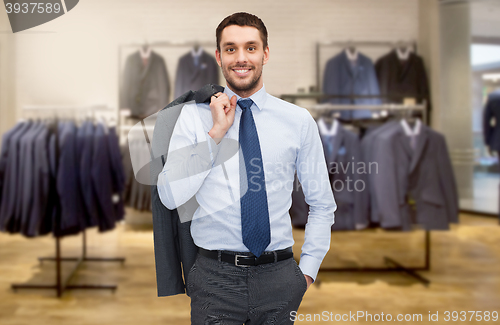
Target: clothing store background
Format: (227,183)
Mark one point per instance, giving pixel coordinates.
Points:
(75,60)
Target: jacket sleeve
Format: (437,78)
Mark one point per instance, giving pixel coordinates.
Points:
(126,84)
(385,184)
(164,85)
(191,156)
(448,183)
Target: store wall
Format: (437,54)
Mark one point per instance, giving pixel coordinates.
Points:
(456,98)
(73,60)
(429,49)
(7,75)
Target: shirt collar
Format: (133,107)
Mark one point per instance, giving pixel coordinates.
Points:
(259,98)
(323,128)
(408,130)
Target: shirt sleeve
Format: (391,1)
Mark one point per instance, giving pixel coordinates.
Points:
(313,175)
(191,156)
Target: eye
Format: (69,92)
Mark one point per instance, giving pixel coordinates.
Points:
(230,49)
(252,48)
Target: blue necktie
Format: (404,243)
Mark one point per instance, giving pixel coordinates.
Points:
(255,227)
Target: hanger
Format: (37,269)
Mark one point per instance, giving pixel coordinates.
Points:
(145,50)
(403,49)
(329,116)
(351,51)
(196,50)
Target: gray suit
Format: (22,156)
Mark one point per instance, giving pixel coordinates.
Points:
(371,162)
(145,90)
(192,77)
(424,174)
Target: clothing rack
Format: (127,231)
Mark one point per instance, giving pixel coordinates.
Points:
(350,43)
(392,264)
(61,284)
(320,108)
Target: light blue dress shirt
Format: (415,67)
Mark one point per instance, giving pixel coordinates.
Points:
(289,141)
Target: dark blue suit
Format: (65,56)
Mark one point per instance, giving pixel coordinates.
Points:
(68,185)
(492,133)
(40,184)
(4,156)
(102,180)
(26,188)
(343,78)
(8,208)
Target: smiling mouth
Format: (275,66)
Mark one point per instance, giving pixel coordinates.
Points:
(241,72)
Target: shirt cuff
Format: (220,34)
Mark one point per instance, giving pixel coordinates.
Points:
(309,266)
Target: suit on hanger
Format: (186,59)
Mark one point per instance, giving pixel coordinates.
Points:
(342,153)
(85,173)
(403,78)
(341,77)
(423,173)
(12,171)
(193,75)
(68,182)
(102,180)
(41,183)
(26,197)
(117,172)
(145,89)
(370,162)
(4,154)
(492,133)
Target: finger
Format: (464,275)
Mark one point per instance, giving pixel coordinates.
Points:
(233,101)
(215,97)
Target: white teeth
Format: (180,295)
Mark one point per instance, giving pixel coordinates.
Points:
(241,71)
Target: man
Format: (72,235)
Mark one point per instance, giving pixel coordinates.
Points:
(244,271)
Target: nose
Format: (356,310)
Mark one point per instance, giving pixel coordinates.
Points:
(241,57)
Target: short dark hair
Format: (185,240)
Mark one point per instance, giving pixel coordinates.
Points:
(242,19)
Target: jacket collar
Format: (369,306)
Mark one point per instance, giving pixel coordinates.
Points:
(259,98)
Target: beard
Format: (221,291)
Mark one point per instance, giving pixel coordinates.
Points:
(236,83)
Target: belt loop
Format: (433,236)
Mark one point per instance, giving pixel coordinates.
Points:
(275,256)
(219,253)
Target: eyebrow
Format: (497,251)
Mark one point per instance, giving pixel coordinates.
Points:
(247,43)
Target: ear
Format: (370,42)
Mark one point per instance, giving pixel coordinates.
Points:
(266,55)
(217,57)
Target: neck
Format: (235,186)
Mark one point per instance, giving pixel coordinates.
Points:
(246,93)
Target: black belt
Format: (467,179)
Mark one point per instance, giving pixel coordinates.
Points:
(248,259)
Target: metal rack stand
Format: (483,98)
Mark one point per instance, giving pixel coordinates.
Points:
(61,284)
(396,266)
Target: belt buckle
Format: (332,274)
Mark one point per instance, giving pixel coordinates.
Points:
(236,260)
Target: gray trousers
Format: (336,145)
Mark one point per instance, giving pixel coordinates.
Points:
(222,293)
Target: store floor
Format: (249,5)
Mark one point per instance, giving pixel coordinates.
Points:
(465,276)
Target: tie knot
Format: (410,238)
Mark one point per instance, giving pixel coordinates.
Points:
(245,103)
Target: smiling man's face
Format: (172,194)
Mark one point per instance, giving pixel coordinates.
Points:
(241,58)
